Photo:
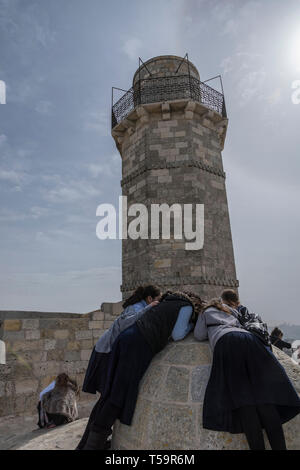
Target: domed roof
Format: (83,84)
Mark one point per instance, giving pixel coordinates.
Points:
(168,413)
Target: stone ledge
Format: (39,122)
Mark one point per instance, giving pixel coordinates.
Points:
(172,281)
(191,110)
(170,165)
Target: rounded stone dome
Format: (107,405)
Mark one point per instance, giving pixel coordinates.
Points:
(164,66)
(168,413)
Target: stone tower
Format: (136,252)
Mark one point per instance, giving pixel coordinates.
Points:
(170,130)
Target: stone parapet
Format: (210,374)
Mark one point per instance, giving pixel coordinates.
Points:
(168,414)
(40,345)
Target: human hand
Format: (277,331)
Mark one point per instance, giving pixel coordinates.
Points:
(155,302)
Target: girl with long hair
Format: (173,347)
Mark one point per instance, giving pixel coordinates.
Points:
(248,389)
(58,405)
(131,354)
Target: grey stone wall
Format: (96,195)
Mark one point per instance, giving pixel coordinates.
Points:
(40,345)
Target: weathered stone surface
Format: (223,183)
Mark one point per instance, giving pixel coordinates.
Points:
(170,403)
(12,325)
(41,345)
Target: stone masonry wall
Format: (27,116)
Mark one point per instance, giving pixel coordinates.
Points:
(177,160)
(41,345)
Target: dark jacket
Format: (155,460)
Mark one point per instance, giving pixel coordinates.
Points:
(156,325)
(279,343)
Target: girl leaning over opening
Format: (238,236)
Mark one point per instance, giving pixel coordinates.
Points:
(248,389)
(95,378)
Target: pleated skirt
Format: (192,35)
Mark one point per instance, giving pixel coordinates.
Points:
(128,361)
(245,372)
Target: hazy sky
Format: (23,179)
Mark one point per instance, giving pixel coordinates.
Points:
(58,162)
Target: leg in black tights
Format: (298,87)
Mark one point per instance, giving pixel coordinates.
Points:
(85,435)
(101,427)
(270,420)
(252,427)
(105,416)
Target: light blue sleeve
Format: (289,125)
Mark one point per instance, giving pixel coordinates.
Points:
(183,326)
(200,331)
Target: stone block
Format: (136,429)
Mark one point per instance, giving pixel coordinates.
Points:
(12,325)
(200,377)
(152,381)
(26,386)
(85,354)
(165,421)
(73,345)
(218,185)
(166,124)
(116,308)
(30,323)
(13,335)
(32,334)
(49,344)
(72,356)
(162,263)
(86,344)
(61,334)
(87,334)
(165,179)
(56,355)
(62,343)
(193,354)
(33,345)
(47,368)
(109,317)
(94,325)
(176,386)
(97,316)
(47,334)
(107,324)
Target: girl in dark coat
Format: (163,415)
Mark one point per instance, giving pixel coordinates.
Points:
(248,389)
(132,353)
(95,378)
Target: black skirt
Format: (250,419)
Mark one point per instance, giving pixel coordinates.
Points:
(245,372)
(128,361)
(96,373)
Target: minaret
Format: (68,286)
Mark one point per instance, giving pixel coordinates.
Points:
(170,130)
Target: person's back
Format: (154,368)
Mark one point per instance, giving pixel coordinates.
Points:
(156,325)
(276,339)
(216,320)
(60,403)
